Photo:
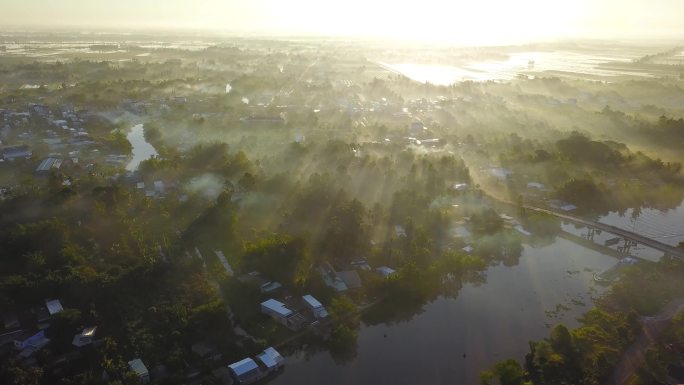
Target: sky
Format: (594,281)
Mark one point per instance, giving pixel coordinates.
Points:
(455,21)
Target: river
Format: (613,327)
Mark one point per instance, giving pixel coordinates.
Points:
(141,149)
(489,323)
(666,226)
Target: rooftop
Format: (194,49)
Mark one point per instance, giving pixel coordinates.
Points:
(271,358)
(243,367)
(277,307)
(311,301)
(138,367)
(385,271)
(53,306)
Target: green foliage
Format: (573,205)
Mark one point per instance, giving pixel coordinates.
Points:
(280,257)
(508,372)
(579,148)
(584,193)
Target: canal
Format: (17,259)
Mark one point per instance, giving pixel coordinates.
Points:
(141,149)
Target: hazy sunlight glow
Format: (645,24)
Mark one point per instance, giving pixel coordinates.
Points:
(456,22)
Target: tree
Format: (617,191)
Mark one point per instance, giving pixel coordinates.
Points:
(508,372)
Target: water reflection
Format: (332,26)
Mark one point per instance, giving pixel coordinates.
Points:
(141,149)
(666,226)
(531,62)
(487,321)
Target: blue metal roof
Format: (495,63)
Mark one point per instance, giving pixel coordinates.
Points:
(243,367)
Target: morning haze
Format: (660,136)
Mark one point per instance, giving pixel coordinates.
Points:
(462,22)
(342,192)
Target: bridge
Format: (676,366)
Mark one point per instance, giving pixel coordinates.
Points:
(657,245)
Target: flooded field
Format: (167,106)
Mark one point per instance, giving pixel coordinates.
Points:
(580,64)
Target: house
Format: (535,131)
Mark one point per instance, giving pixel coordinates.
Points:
(332,279)
(271,359)
(277,310)
(468,249)
(30,342)
(48,164)
(316,307)
(385,271)
(139,368)
(246,371)
(400,230)
(536,185)
(568,207)
(461,187)
(361,264)
(284,316)
(85,337)
(16,152)
(53,306)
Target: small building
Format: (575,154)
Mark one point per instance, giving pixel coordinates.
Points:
(361,264)
(468,249)
(277,310)
(568,207)
(32,340)
(139,368)
(332,279)
(315,306)
(461,187)
(246,371)
(16,152)
(85,337)
(400,230)
(284,316)
(270,286)
(385,271)
(53,306)
(271,359)
(536,185)
(48,164)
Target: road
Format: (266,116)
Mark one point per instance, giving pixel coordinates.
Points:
(634,357)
